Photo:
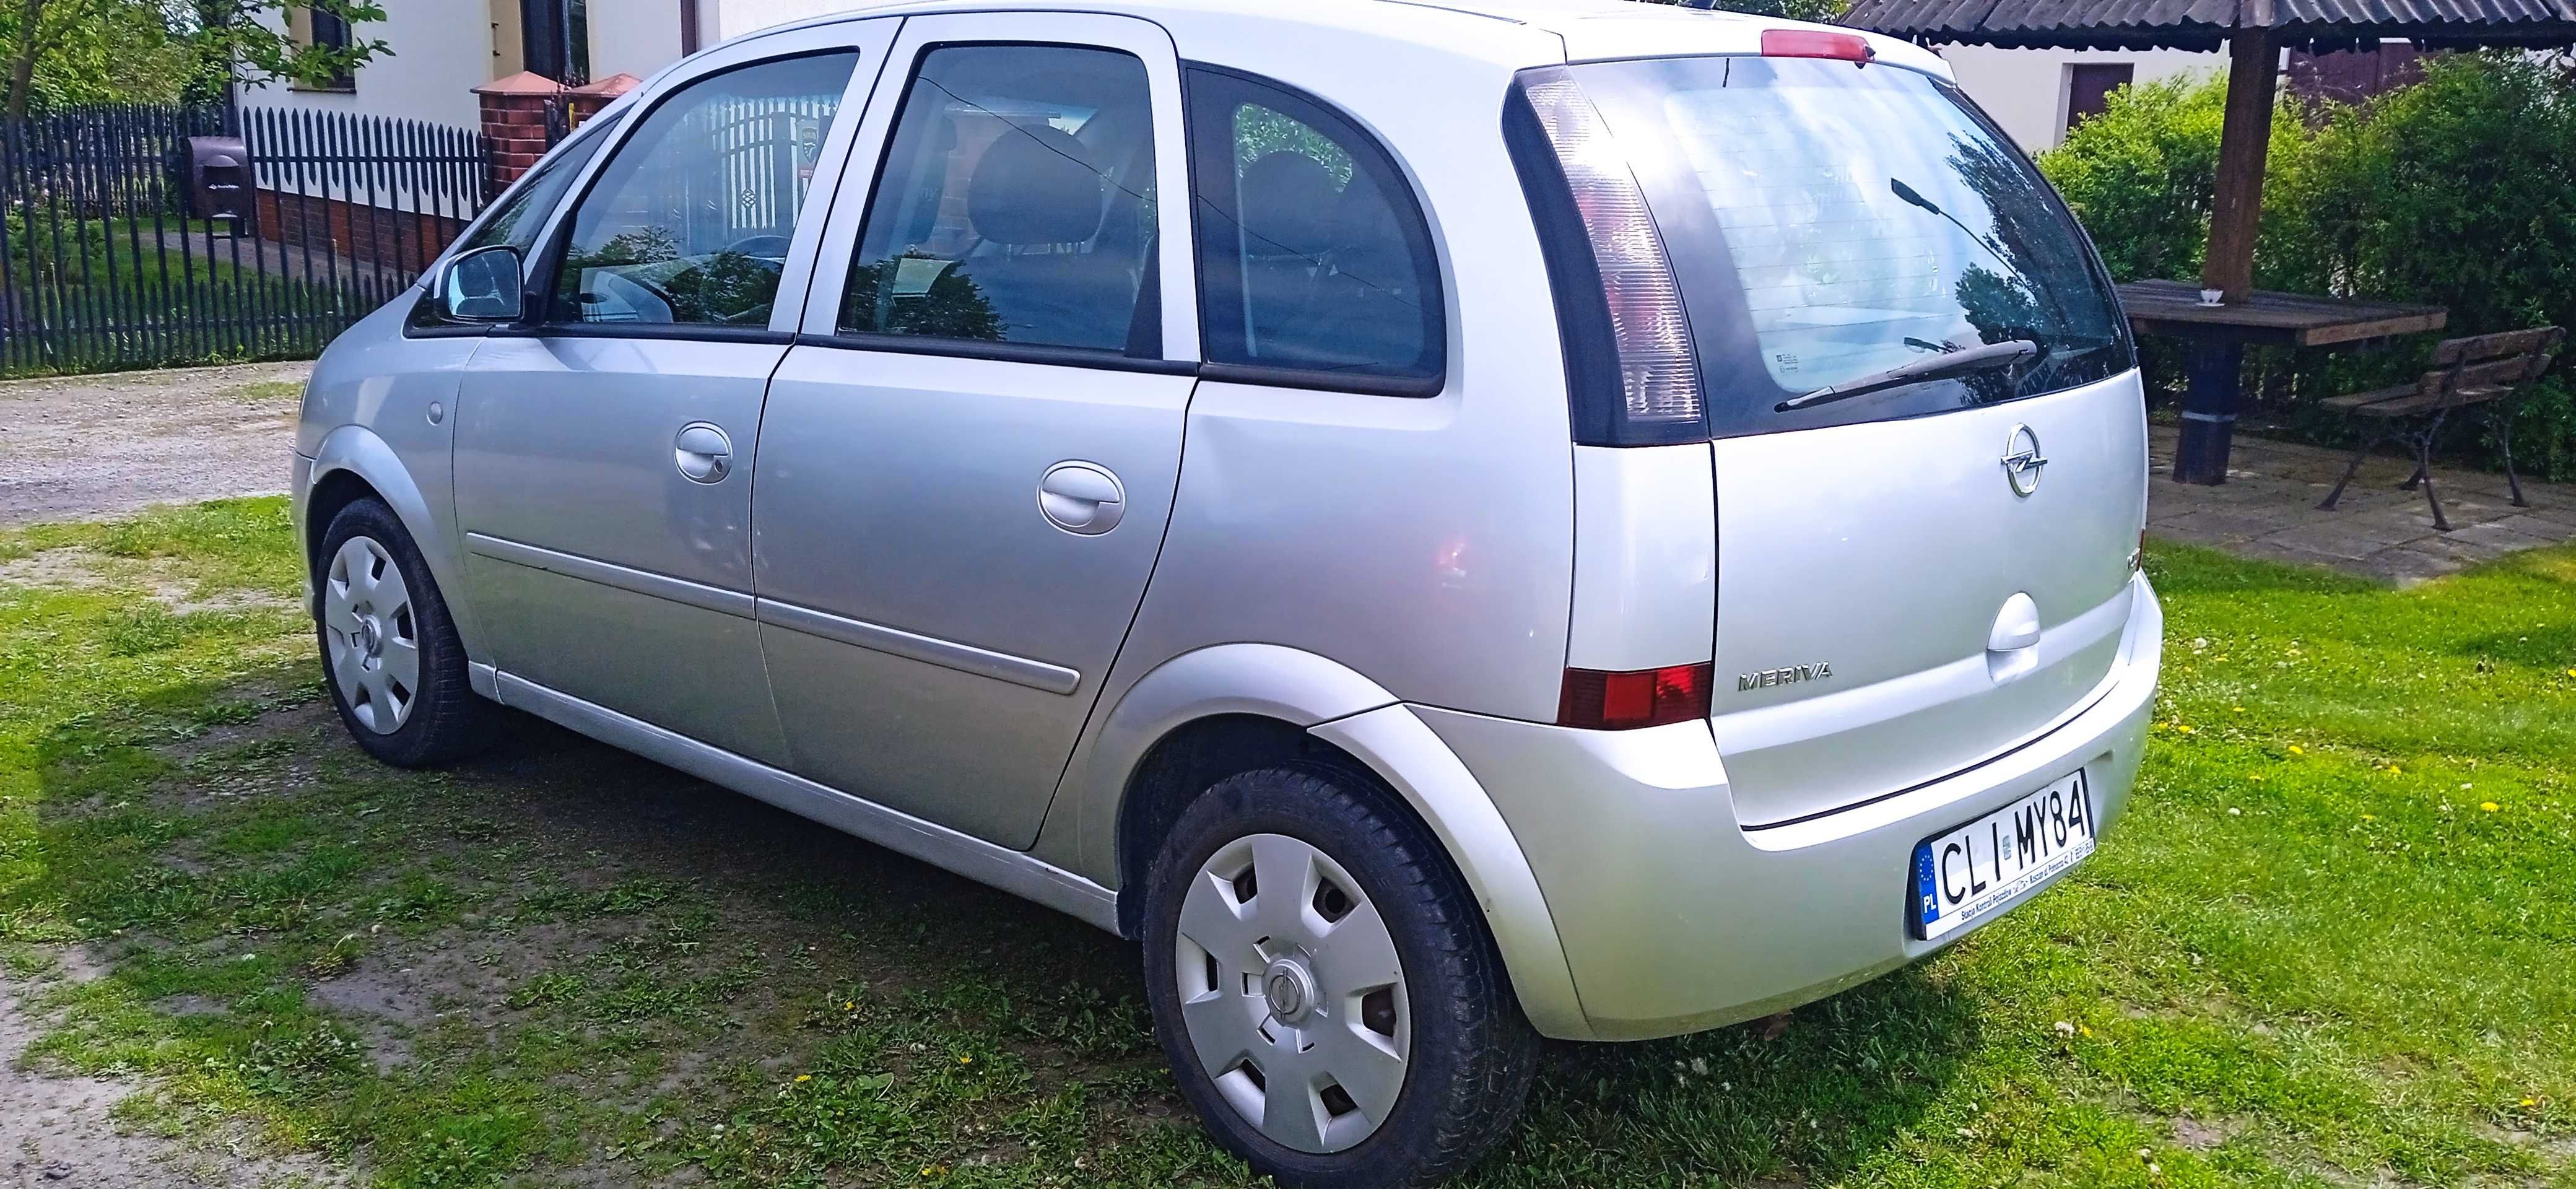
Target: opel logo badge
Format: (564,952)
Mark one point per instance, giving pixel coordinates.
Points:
(2023,461)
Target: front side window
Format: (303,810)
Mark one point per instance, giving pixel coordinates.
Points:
(1016,204)
(690,222)
(1312,254)
(1838,228)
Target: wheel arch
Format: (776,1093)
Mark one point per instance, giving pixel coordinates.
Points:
(353,463)
(1210,713)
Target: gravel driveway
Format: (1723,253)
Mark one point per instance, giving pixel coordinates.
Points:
(91,447)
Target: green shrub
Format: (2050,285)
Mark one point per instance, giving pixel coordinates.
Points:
(2140,174)
(2458,191)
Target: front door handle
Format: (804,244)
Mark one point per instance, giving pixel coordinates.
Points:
(703,453)
(1082,498)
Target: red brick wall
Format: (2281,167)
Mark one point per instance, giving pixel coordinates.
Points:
(407,240)
(514,136)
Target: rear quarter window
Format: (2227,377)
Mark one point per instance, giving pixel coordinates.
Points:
(1315,262)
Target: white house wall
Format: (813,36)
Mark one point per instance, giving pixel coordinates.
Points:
(437,62)
(443,49)
(737,17)
(634,37)
(2026,90)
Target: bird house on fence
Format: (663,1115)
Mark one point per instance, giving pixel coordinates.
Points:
(219,181)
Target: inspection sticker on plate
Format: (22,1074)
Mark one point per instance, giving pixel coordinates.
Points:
(1962,875)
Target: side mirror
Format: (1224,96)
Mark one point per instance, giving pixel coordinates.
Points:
(485,285)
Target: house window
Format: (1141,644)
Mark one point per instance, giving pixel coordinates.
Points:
(555,37)
(312,27)
(2089,86)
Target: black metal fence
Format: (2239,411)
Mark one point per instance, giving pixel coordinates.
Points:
(111,256)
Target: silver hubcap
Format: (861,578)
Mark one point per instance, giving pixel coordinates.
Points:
(1292,993)
(370,635)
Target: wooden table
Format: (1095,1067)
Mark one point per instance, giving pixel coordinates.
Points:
(2219,335)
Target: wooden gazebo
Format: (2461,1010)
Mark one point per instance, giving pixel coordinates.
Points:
(2254,32)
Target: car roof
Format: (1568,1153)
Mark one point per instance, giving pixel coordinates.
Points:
(1589,30)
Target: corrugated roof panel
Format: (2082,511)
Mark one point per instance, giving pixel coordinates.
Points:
(2198,22)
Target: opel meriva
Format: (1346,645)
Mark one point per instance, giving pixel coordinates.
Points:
(1449,523)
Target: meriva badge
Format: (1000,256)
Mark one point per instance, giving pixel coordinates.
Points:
(1794,673)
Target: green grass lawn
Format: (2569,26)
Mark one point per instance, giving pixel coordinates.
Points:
(2333,943)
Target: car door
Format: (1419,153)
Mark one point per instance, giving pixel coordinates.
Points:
(604,452)
(968,459)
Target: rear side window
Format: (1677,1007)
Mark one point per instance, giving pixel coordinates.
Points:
(1313,256)
(690,222)
(1836,229)
(1017,204)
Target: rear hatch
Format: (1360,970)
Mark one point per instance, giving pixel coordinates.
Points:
(1928,433)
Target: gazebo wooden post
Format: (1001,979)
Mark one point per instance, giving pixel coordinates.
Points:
(2217,366)
(2244,145)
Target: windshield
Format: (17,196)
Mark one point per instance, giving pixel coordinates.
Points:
(1850,240)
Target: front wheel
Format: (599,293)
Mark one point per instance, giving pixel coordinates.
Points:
(1324,988)
(390,654)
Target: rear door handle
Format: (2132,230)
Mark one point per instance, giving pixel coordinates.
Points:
(702,452)
(1082,498)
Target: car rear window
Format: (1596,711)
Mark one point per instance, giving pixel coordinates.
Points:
(1829,222)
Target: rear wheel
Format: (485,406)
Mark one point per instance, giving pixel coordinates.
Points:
(390,653)
(1324,988)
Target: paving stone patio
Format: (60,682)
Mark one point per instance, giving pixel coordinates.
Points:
(2268,509)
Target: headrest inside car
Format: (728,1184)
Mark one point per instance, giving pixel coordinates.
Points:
(1035,185)
(1288,205)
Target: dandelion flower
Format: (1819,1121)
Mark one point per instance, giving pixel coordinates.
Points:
(2489,806)
(2297,750)
(2535,1101)
(804,1077)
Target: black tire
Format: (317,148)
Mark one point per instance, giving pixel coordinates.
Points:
(447,721)
(1472,1052)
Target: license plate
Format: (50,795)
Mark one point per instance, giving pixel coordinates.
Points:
(1964,874)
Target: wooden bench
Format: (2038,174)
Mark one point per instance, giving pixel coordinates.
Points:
(2484,371)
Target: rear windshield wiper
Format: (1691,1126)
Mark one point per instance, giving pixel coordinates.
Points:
(1938,367)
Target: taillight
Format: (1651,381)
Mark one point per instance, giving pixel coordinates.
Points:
(1641,386)
(1816,43)
(1644,698)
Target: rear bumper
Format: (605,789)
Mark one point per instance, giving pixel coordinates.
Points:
(1674,918)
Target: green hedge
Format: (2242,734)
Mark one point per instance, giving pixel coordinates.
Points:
(2460,190)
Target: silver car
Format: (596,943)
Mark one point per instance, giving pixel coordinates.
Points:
(1450,524)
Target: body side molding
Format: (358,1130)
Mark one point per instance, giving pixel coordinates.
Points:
(627,578)
(930,650)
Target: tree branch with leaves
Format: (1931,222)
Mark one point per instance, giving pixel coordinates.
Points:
(40,26)
(238,41)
